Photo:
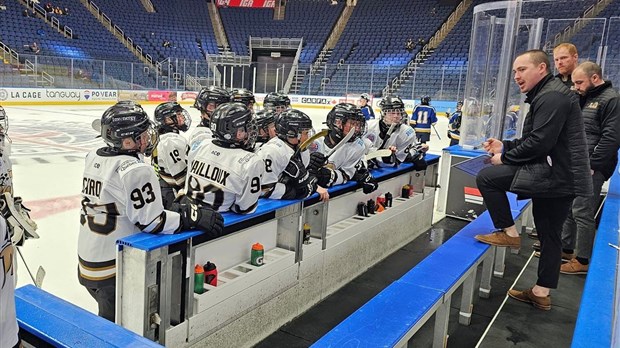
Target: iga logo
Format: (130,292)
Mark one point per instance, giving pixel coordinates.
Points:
(86,94)
(4,95)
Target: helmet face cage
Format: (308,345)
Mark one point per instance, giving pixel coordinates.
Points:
(292,123)
(4,121)
(212,94)
(128,121)
(179,118)
(229,119)
(343,114)
(243,96)
(265,119)
(277,102)
(393,110)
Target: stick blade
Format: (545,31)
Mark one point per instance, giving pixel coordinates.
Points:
(39,278)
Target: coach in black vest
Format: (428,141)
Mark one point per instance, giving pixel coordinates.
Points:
(548,164)
(600,108)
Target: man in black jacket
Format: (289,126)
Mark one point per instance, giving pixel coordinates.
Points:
(600,107)
(548,164)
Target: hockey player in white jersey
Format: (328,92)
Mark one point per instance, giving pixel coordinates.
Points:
(277,102)
(170,157)
(21,226)
(208,99)
(266,127)
(392,132)
(286,176)
(120,197)
(345,163)
(243,96)
(223,173)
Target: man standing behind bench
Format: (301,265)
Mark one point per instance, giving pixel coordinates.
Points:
(548,164)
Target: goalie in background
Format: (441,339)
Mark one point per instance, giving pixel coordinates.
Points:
(286,176)
(392,132)
(21,226)
(347,161)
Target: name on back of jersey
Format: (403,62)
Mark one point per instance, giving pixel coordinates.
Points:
(91,187)
(209,172)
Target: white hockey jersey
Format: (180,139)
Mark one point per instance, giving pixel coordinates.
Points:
(120,197)
(6,166)
(197,135)
(344,160)
(224,178)
(170,159)
(8,321)
(402,138)
(276,154)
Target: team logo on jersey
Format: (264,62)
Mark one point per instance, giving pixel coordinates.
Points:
(314,147)
(371,137)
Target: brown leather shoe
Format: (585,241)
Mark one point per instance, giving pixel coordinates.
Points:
(527,296)
(565,257)
(574,267)
(500,238)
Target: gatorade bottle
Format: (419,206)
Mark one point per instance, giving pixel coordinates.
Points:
(258,252)
(306,233)
(210,274)
(199,279)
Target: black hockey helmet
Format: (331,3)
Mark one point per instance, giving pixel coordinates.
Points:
(291,123)
(265,119)
(127,120)
(391,104)
(426,100)
(176,113)
(339,115)
(226,122)
(4,121)
(277,102)
(243,95)
(208,95)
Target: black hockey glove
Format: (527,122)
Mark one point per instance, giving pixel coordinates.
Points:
(306,187)
(326,177)
(415,155)
(195,217)
(296,170)
(369,184)
(317,160)
(391,159)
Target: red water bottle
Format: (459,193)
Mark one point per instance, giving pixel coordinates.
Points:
(210,273)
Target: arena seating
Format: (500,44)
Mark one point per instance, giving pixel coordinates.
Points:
(449,61)
(378,29)
(311,20)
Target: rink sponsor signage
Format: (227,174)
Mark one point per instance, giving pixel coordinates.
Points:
(133,95)
(185,96)
(162,96)
(51,95)
(247,3)
(315,100)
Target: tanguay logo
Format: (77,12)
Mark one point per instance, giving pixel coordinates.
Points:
(63,94)
(86,94)
(4,95)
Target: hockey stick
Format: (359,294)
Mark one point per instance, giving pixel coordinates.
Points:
(38,282)
(378,153)
(310,140)
(436,132)
(341,143)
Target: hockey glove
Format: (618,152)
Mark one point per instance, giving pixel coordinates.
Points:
(326,177)
(306,187)
(195,217)
(296,170)
(317,160)
(369,184)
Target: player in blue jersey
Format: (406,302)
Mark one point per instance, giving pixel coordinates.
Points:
(366,108)
(422,119)
(454,125)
